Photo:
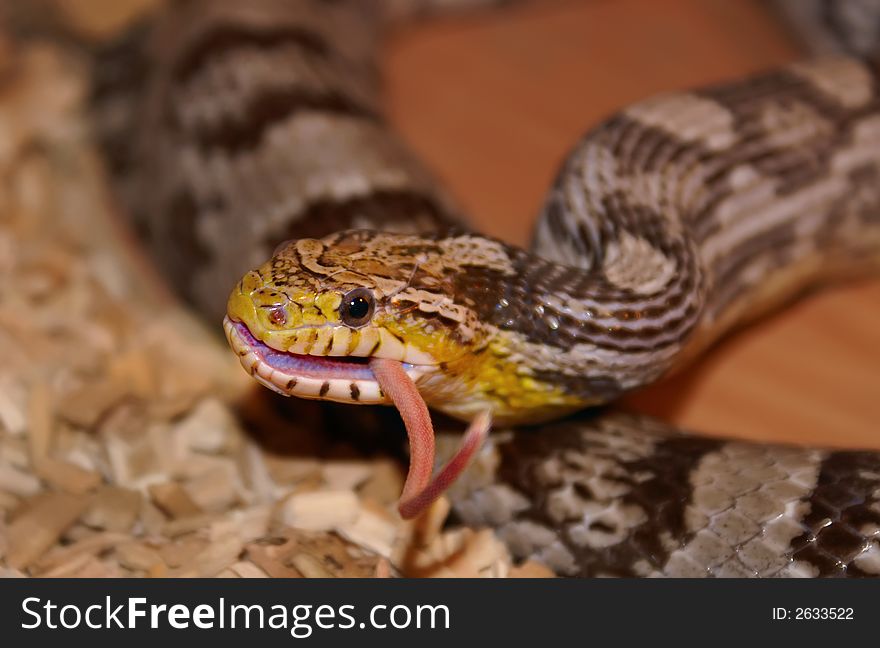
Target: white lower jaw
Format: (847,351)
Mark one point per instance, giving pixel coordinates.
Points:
(338,389)
(341,390)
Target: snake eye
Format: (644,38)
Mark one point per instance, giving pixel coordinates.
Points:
(357,307)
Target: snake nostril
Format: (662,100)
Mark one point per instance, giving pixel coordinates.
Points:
(278,316)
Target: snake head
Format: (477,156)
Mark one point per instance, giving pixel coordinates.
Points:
(307,321)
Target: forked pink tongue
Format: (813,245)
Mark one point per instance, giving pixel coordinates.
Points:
(420,489)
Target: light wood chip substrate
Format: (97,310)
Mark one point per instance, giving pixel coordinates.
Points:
(123,441)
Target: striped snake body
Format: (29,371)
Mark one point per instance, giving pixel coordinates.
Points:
(251,124)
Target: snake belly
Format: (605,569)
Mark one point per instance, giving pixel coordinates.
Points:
(233,127)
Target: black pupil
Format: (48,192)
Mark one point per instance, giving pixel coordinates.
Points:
(358,308)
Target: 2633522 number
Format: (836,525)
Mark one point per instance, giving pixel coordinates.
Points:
(817,613)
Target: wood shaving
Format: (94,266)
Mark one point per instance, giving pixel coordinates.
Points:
(320,510)
(39,527)
(113,509)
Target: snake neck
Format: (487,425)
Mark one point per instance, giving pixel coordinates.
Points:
(557,337)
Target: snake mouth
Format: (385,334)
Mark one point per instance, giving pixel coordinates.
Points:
(344,379)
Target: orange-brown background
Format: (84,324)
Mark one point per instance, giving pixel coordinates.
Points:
(494,101)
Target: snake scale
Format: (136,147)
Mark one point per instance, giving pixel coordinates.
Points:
(232,127)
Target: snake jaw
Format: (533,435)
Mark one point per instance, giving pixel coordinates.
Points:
(342,379)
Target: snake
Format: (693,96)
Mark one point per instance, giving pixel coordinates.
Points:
(247,142)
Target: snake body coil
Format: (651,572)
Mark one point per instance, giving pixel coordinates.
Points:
(675,220)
